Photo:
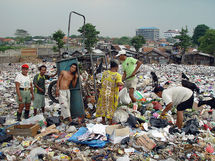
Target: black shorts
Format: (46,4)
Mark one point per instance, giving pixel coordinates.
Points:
(186,104)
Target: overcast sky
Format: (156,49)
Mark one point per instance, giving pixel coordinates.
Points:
(114,18)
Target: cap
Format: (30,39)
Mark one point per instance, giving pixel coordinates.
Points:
(121,52)
(25,66)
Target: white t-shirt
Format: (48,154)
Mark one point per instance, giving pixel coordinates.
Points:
(176,95)
(23,80)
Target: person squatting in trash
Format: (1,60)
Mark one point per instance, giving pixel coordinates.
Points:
(39,89)
(180,97)
(109,92)
(130,67)
(154,79)
(23,89)
(63,91)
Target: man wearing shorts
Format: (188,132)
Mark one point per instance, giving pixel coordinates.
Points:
(39,89)
(23,90)
(130,67)
(180,97)
(63,91)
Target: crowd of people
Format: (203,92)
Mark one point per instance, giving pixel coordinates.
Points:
(180,97)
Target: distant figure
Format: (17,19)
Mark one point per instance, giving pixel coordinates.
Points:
(190,85)
(184,76)
(154,79)
(100,67)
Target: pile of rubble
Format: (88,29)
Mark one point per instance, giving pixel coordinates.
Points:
(138,134)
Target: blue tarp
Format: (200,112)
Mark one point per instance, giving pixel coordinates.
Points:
(91,143)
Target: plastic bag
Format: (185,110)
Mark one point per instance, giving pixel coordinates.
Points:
(2,120)
(120,116)
(157,122)
(191,127)
(53,120)
(36,154)
(5,138)
(33,120)
(124,96)
(91,143)
(138,95)
(134,121)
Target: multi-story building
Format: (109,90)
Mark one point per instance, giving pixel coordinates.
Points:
(149,33)
(171,33)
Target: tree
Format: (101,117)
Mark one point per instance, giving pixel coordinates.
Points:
(122,41)
(58,37)
(171,40)
(21,33)
(199,31)
(90,35)
(207,42)
(184,40)
(137,42)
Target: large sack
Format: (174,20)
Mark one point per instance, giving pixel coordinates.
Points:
(124,96)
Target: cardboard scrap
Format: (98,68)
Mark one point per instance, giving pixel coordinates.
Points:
(23,130)
(48,130)
(145,141)
(117,133)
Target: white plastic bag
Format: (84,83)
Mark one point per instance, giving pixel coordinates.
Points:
(124,96)
(120,116)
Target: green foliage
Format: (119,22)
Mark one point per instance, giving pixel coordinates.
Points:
(137,42)
(21,33)
(207,42)
(22,36)
(184,40)
(171,40)
(5,47)
(28,38)
(75,36)
(58,37)
(122,41)
(90,35)
(39,37)
(199,31)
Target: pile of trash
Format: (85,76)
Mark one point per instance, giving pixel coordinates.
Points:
(138,133)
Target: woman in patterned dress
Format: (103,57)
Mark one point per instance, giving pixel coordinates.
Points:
(109,92)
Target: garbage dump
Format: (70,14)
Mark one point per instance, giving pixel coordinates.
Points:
(138,131)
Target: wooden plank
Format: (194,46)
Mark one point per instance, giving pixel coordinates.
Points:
(23,130)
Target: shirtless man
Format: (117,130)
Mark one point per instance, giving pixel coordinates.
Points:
(63,91)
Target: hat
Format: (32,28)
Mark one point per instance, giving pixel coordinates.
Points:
(25,66)
(121,52)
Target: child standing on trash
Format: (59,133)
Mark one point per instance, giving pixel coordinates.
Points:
(39,89)
(109,92)
(23,90)
(130,67)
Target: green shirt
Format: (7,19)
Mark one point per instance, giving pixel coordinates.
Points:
(129,66)
(40,81)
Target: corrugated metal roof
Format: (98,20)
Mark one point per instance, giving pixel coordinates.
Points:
(204,54)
